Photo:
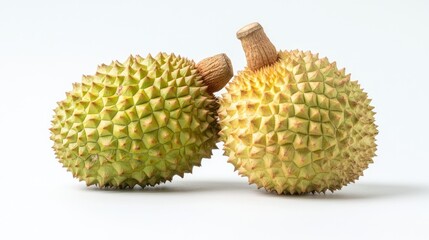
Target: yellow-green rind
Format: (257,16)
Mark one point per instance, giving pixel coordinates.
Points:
(298,126)
(140,122)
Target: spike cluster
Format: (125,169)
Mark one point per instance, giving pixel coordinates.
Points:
(136,123)
(297,126)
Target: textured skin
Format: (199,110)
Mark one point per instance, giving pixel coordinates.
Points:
(138,122)
(297,126)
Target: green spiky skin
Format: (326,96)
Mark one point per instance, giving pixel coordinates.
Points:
(298,126)
(140,122)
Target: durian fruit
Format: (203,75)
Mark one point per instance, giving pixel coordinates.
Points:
(292,122)
(140,122)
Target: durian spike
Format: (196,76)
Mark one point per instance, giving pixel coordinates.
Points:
(259,50)
(216,71)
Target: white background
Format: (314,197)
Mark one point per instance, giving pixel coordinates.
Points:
(45,46)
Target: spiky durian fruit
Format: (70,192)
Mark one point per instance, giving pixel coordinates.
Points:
(141,121)
(292,122)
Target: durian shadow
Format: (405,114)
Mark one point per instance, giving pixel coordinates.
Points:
(360,191)
(184,187)
(357,191)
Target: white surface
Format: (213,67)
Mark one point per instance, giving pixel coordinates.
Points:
(45,46)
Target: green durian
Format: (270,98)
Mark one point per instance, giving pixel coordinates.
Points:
(140,122)
(292,122)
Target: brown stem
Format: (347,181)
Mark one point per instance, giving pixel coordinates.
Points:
(260,52)
(216,71)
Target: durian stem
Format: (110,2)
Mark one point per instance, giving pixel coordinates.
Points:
(216,71)
(259,50)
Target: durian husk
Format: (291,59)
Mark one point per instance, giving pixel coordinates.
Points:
(297,126)
(139,122)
